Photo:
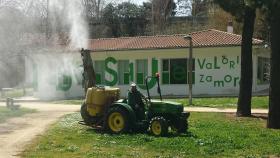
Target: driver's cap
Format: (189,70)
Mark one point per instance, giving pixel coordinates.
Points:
(133,84)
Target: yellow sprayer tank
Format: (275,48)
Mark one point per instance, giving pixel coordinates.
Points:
(98,97)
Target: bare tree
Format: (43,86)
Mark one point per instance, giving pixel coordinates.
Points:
(162,9)
(94,8)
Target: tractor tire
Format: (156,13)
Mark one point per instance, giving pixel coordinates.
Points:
(158,126)
(117,121)
(89,120)
(182,127)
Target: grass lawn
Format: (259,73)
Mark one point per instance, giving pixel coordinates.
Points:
(6,113)
(226,102)
(210,135)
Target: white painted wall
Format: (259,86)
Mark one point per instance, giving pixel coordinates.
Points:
(224,56)
(202,54)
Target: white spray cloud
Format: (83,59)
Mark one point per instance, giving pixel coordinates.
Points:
(52,71)
(79,33)
(21,28)
(69,15)
(54,65)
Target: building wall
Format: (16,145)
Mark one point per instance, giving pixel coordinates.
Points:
(217,71)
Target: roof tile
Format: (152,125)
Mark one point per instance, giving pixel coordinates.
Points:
(205,38)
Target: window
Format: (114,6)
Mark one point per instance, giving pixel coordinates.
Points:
(174,71)
(263,70)
(142,71)
(165,72)
(100,72)
(123,71)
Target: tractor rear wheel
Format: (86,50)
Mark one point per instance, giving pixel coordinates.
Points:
(158,126)
(88,119)
(117,121)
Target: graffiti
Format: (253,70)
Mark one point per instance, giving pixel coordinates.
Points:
(219,83)
(111,71)
(218,64)
(152,82)
(178,72)
(203,65)
(64,83)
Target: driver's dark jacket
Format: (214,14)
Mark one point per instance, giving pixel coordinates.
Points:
(135,98)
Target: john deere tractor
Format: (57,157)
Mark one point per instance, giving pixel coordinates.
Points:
(104,109)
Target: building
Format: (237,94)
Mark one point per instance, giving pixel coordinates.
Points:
(216,70)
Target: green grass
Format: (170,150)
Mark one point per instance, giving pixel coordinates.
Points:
(210,135)
(226,102)
(6,113)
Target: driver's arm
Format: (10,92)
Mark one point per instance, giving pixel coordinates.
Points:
(143,96)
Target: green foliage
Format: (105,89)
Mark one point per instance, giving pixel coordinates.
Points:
(125,19)
(128,19)
(6,113)
(210,135)
(111,20)
(234,7)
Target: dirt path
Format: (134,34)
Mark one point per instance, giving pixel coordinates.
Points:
(222,110)
(18,132)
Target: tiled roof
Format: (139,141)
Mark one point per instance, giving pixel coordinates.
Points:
(205,38)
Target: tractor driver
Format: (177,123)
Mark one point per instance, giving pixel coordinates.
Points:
(135,101)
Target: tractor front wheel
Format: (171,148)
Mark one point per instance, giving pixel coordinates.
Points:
(158,126)
(183,126)
(116,121)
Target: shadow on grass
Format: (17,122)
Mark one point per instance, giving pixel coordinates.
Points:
(260,116)
(255,116)
(131,133)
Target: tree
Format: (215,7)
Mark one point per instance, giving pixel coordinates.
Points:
(111,20)
(162,10)
(125,19)
(246,78)
(130,17)
(199,7)
(273,9)
(246,10)
(93,8)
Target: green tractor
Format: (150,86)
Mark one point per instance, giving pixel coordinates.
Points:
(104,109)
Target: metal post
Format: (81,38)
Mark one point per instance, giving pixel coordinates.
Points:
(190,69)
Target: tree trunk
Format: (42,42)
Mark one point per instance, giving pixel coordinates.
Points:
(245,91)
(274,91)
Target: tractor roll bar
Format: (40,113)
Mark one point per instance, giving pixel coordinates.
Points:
(158,88)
